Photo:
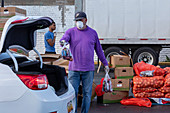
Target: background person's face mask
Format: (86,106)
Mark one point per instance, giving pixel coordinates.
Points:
(79,24)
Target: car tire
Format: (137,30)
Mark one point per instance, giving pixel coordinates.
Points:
(112,51)
(145,54)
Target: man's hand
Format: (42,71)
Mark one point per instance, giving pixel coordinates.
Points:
(55,34)
(107,69)
(62,42)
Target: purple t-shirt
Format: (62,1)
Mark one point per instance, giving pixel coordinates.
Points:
(82,46)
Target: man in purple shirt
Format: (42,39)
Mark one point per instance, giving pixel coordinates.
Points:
(83,40)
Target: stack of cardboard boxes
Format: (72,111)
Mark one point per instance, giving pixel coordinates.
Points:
(8,12)
(121,83)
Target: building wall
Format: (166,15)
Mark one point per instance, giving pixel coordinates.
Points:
(39,2)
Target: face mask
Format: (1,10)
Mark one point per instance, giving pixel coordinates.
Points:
(79,24)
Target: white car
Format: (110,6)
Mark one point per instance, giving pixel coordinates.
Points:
(30,86)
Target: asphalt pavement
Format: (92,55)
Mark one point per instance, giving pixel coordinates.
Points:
(117,107)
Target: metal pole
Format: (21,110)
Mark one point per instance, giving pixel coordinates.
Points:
(2,3)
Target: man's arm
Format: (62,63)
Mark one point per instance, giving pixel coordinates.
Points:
(99,51)
(51,42)
(66,37)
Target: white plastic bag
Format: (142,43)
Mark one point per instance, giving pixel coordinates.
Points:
(66,54)
(107,84)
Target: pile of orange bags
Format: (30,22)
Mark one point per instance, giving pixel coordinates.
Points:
(148,86)
(156,86)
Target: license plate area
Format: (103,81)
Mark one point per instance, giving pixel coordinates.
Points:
(70,107)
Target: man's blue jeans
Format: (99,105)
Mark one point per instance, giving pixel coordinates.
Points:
(87,80)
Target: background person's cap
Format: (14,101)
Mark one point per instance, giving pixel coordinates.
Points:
(80,15)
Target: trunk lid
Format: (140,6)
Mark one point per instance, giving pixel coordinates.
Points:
(21,31)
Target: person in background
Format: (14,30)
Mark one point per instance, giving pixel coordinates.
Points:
(83,40)
(49,39)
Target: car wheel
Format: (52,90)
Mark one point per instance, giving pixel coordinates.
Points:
(112,51)
(145,54)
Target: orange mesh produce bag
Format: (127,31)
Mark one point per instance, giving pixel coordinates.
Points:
(142,66)
(138,90)
(165,89)
(146,94)
(167,76)
(167,95)
(143,82)
(159,72)
(167,80)
(98,88)
(167,69)
(137,101)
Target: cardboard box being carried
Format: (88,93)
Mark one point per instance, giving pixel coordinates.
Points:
(112,97)
(119,61)
(120,84)
(123,72)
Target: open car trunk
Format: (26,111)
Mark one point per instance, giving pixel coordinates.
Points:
(56,75)
(20,32)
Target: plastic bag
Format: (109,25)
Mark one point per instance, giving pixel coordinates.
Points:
(137,101)
(146,73)
(107,85)
(66,54)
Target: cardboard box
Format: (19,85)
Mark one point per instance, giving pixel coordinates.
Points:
(11,11)
(119,61)
(0,35)
(2,25)
(62,63)
(123,72)
(3,20)
(112,97)
(120,84)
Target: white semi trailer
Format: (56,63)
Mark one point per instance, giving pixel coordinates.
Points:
(140,28)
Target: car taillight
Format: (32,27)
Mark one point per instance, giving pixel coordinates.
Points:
(34,82)
(19,21)
(54,112)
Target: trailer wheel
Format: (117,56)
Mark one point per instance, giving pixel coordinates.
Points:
(112,51)
(145,54)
